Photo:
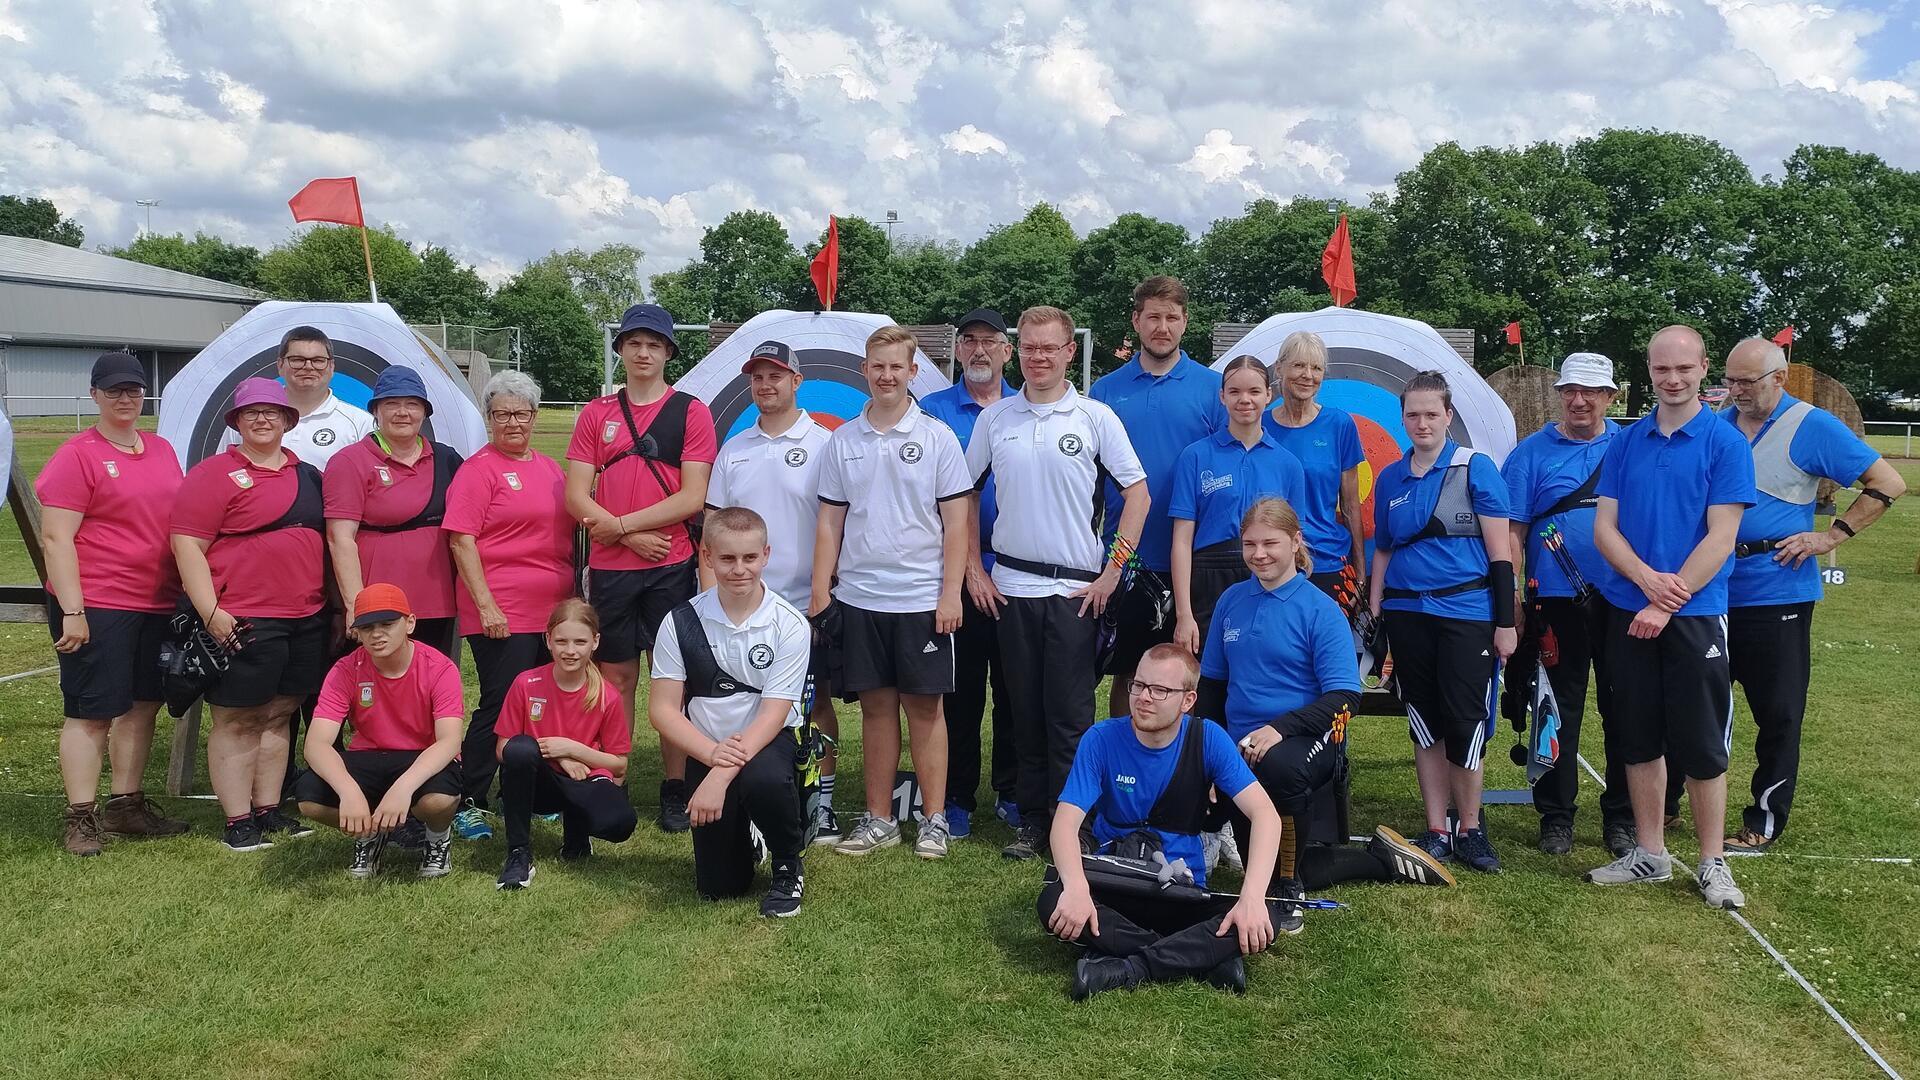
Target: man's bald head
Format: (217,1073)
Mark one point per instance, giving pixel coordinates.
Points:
(1679,343)
(1754,377)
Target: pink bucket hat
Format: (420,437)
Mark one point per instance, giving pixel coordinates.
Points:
(259,391)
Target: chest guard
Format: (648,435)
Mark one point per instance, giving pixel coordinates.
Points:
(1773,469)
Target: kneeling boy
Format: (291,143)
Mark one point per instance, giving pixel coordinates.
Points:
(1145,778)
(402,701)
(729,672)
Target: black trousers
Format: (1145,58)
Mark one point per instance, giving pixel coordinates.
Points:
(1047,652)
(766,793)
(1172,939)
(1770,648)
(976,667)
(497,662)
(1291,773)
(587,808)
(1579,631)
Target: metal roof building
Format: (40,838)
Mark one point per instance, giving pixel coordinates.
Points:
(61,306)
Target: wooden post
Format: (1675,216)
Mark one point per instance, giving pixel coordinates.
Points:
(26,512)
(183,751)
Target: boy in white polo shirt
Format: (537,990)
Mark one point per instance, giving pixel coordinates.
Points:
(729,670)
(893,522)
(773,469)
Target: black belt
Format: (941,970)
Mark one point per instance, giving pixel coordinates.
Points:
(1071,573)
(1755,547)
(1451,590)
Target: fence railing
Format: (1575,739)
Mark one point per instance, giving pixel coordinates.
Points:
(84,412)
(1889,436)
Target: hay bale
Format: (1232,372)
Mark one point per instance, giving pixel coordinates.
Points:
(1826,392)
(1528,391)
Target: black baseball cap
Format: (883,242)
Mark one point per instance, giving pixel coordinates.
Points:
(649,317)
(774,352)
(982,315)
(118,368)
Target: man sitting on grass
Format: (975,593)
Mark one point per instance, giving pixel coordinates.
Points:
(1145,781)
(402,701)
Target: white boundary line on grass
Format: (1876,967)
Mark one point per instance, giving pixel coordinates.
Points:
(1816,995)
(30,674)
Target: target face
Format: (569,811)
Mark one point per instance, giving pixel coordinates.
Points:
(367,339)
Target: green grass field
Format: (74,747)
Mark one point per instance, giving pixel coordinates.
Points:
(177,958)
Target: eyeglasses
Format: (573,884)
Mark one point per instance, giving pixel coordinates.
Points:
(1748,384)
(306,361)
(975,341)
(1152,691)
(260,414)
(518,416)
(1042,352)
(123,393)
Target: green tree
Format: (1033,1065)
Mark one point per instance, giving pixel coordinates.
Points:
(1886,348)
(561,345)
(1017,266)
(204,255)
(38,219)
(441,290)
(326,263)
(904,279)
(747,266)
(607,279)
(1110,262)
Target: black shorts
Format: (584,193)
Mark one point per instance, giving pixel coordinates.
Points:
(119,664)
(1136,611)
(281,658)
(886,650)
(1672,695)
(633,603)
(1443,674)
(375,771)
(1216,568)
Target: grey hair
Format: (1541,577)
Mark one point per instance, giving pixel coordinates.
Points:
(1775,356)
(1300,345)
(510,383)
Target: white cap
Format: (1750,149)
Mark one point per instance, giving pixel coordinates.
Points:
(1586,369)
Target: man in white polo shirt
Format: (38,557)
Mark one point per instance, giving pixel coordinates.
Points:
(729,668)
(893,524)
(773,469)
(327,424)
(1048,449)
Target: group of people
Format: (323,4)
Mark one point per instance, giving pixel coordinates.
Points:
(1196,534)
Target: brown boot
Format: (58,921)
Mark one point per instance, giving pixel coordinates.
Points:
(83,829)
(134,814)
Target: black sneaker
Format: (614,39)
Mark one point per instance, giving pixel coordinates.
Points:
(1231,976)
(1409,862)
(1437,845)
(1620,838)
(673,807)
(273,820)
(1289,918)
(1029,842)
(366,856)
(828,833)
(410,836)
(1098,974)
(783,897)
(438,861)
(245,836)
(518,873)
(1473,849)
(1556,837)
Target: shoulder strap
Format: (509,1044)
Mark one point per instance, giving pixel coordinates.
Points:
(307,511)
(1453,513)
(1182,805)
(668,444)
(704,677)
(445,462)
(1580,498)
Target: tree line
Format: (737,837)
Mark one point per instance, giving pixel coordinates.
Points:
(1589,244)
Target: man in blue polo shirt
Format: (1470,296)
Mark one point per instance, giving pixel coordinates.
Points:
(1166,401)
(1551,481)
(1672,489)
(1121,772)
(1776,573)
(981,351)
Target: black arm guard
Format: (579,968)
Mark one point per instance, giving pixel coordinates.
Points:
(1879,496)
(1317,718)
(1500,574)
(1211,701)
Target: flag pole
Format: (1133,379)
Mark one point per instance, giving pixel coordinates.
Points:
(367,250)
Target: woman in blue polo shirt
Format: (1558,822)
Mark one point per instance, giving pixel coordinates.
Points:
(1215,481)
(1279,670)
(1443,574)
(1326,442)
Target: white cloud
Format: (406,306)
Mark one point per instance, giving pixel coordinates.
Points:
(1219,158)
(968,139)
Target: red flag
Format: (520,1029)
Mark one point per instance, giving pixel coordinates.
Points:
(1336,265)
(336,200)
(826,266)
(1784,338)
(1513,333)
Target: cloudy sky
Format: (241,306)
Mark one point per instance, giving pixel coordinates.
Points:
(505,128)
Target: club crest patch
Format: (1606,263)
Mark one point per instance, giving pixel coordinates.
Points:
(385,475)
(760,656)
(113,468)
(513,480)
(797,456)
(366,695)
(1071,445)
(910,452)
(241,479)
(608,431)
(324,437)
(536,707)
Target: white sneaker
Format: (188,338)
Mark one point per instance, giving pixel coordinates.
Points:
(1717,887)
(932,842)
(1636,867)
(1230,847)
(870,835)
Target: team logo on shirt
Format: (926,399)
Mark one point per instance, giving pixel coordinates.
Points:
(1125,782)
(241,479)
(113,469)
(609,431)
(1210,483)
(324,437)
(797,456)
(386,476)
(513,480)
(1231,633)
(760,656)
(910,452)
(536,706)
(366,695)
(1399,502)
(1071,444)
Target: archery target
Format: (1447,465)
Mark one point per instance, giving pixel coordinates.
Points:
(6,449)
(367,339)
(828,345)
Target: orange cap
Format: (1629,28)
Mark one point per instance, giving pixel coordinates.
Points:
(378,603)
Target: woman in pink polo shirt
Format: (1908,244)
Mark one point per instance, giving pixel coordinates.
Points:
(512,543)
(386,497)
(246,535)
(110,588)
